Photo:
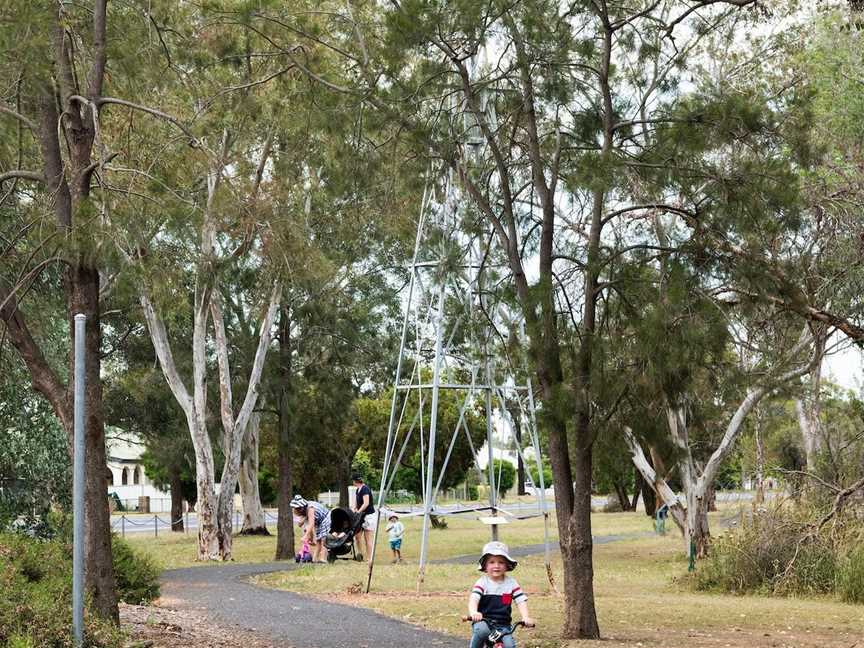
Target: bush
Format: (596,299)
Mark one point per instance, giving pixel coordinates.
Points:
(850,576)
(777,552)
(136,575)
(505,475)
(35,609)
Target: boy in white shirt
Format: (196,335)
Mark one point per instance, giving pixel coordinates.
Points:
(395,531)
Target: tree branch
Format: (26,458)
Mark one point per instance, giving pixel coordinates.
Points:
(24,120)
(162,346)
(100,101)
(35,176)
(44,379)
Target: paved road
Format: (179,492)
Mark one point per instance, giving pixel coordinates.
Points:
(289,619)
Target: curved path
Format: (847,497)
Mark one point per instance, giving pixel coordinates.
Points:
(287,619)
(290,620)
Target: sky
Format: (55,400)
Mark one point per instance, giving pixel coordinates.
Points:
(846,368)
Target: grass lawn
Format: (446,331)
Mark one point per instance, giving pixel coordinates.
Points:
(640,588)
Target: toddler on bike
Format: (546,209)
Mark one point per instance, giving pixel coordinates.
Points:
(492,597)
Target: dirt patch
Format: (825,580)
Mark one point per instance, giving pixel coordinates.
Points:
(154,626)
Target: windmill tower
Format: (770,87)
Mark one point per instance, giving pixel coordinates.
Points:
(451,317)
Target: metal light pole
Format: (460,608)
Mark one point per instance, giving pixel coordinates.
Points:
(78,487)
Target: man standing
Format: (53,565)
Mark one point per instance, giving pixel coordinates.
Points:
(363,505)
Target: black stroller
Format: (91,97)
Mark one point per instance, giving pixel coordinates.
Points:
(344,525)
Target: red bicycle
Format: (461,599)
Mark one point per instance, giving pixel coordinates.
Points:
(497,634)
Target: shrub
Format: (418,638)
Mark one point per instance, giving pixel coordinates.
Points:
(35,609)
(136,575)
(850,576)
(778,552)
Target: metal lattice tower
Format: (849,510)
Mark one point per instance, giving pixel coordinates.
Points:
(450,318)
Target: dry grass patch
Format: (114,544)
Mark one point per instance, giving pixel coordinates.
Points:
(641,599)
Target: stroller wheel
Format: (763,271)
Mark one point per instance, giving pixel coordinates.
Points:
(358,557)
(331,557)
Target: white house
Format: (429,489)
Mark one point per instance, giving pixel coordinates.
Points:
(129,482)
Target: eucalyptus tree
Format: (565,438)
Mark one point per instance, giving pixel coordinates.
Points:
(216,248)
(138,400)
(544,113)
(829,257)
(53,156)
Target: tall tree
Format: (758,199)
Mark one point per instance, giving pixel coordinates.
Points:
(534,107)
(59,81)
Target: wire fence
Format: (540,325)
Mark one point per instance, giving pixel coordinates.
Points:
(156,523)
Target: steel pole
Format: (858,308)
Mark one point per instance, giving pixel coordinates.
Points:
(391,426)
(433,422)
(78,486)
(493,495)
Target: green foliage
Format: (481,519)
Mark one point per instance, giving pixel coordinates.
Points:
(136,574)
(850,576)
(35,609)
(35,471)
(535,474)
(777,552)
(505,475)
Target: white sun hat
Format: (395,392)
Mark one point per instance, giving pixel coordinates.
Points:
(496,549)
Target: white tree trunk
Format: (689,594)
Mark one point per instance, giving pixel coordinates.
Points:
(809,408)
(234,429)
(253,513)
(694,482)
(657,483)
(214,511)
(193,406)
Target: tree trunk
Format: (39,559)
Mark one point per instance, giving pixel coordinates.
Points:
(285,523)
(655,482)
(711,498)
(254,522)
(344,481)
(176,498)
(698,533)
(809,409)
(580,618)
(83,287)
(205,505)
(637,489)
(649,499)
(621,493)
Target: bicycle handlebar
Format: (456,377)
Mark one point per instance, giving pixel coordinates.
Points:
(515,625)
